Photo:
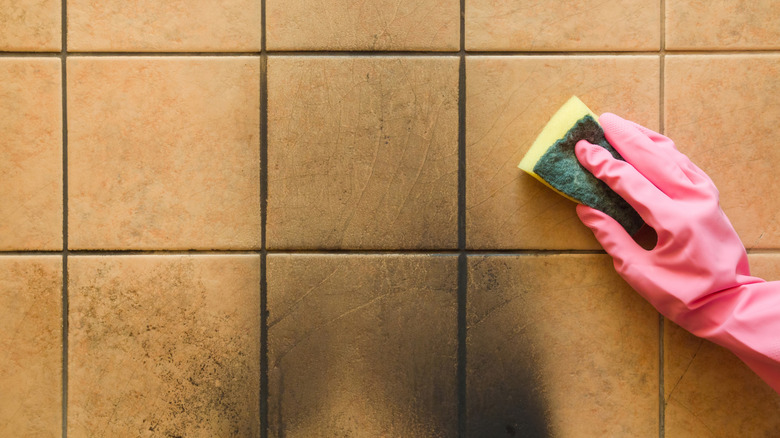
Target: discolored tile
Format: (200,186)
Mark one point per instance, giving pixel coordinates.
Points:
(508,102)
(30,25)
(163,153)
(558,346)
(362,345)
(164,346)
(30,154)
(722,24)
(374,25)
(362,152)
(31,346)
(549,25)
(709,392)
(722,112)
(160,26)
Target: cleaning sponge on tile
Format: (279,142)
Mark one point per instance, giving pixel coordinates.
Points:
(551,160)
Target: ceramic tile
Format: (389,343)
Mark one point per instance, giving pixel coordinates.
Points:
(164,346)
(722,112)
(508,102)
(163,153)
(30,25)
(549,25)
(722,24)
(30,154)
(160,26)
(374,25)
(362,152)
(31,346)
(558,346)
(362,345)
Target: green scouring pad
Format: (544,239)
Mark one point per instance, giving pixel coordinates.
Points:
(551,160)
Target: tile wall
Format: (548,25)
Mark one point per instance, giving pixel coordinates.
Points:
(267,218)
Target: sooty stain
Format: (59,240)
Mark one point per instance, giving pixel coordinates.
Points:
(505,389)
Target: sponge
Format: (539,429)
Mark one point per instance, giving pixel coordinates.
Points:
(551,160)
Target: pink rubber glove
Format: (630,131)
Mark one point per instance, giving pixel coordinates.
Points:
(697,275)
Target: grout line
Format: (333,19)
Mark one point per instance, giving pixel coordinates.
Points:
(763,251)
(163,54)
(30,54)
(78,252)
(65,300)
(261,251)
(662,127)
(411,53)
(462,255)
(264,397)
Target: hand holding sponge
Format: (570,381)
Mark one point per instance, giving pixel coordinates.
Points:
(551,160)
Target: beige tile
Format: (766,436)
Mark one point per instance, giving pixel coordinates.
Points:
(30,154)
(549,25)
(722,24)
(508,102)
(722,111)
(362,346)
(559,346)
(159,26)
(31,346)
(711,393)
(30,25)
(362,152)
(164,346)
(163,153)
(373,25)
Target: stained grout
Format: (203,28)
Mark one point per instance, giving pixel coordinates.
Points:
(264,394)
(433,252)
(65,299)
(345,252)
(398,53)
(462,255)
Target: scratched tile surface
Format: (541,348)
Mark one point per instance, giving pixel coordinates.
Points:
(362,153)
(550,25)
(30,346)
(558,346)
(362,346)
(371,25)
(164,346)
(722,24)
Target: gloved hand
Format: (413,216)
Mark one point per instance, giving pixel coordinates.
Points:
(697,275)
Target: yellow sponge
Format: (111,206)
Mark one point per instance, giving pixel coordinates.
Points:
(560,123)
(551,160)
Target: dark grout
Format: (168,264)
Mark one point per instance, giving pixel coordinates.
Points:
(353,252)
(264,395)
(462,255)
(398,53)
(65,302)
